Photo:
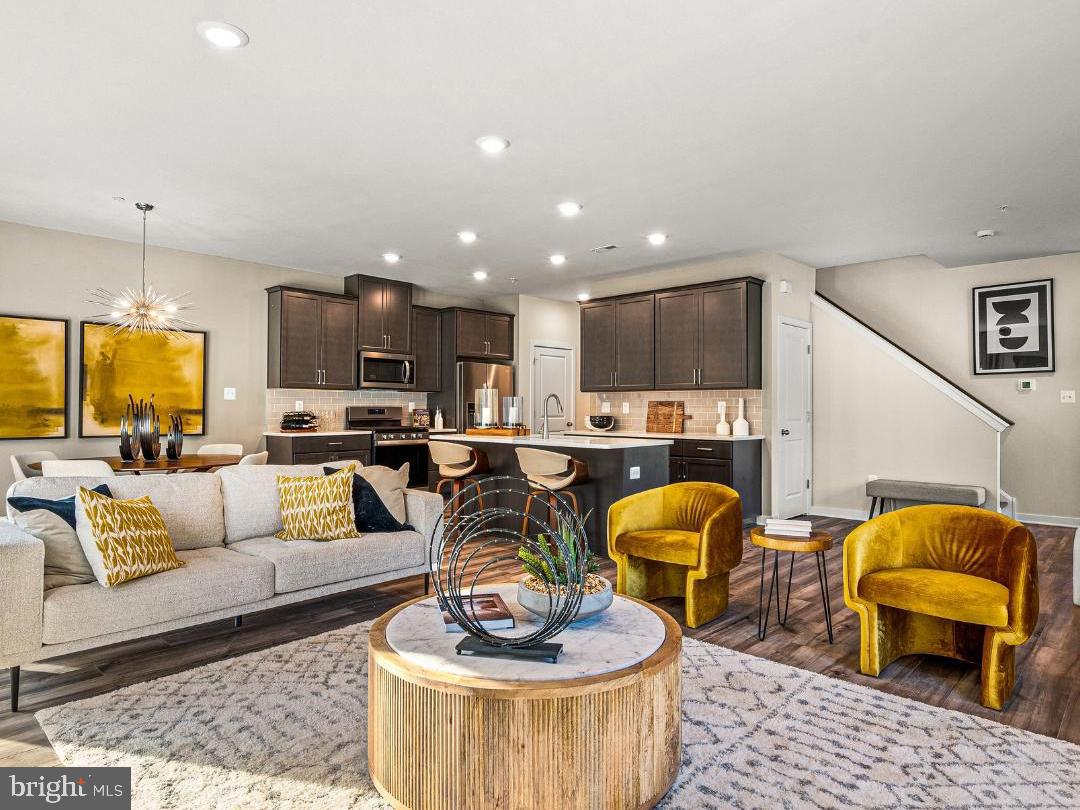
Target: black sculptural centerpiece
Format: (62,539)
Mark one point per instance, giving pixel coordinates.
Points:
(140,430)
(494,533)
(174,448)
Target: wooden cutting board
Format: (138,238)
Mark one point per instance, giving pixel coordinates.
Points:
(508,431)
(665,416)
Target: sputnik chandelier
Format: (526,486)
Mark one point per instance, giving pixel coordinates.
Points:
(143,310)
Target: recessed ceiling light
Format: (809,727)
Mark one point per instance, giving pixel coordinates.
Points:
(985,233)
(583,296)
(467,237)
(569,208)
(480,275)
(657,238)
(391,258)
(223,34)
(493,144)
(557,259)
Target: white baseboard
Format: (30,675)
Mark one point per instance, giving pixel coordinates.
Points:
(1049,520)
(834,512)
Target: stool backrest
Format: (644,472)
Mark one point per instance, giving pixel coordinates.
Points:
(541,462)
(449,453)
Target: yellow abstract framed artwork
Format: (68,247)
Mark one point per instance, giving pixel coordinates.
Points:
(33,377)
(117,363)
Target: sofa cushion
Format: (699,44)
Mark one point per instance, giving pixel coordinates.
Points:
(665,545)
(211,579)
(300,564)
(173,495)
(949,595)
(252,507)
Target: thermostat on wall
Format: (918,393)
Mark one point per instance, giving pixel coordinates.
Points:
(1025,385)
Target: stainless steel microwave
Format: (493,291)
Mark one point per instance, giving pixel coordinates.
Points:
(383,370)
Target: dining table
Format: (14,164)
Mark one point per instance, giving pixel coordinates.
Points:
(193,463)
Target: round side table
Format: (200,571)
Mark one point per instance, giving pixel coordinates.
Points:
(818,543)
(602,728)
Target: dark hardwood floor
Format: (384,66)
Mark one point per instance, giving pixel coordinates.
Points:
(1047,697)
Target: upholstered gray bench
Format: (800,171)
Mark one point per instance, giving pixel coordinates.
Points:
(881,490)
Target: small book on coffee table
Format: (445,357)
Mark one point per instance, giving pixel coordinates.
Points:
(490,611)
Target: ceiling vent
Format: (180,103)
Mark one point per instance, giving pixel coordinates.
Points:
(604,248)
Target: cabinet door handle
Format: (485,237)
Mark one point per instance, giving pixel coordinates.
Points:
(613,379)
(334,444)
(706,449)
(616,379)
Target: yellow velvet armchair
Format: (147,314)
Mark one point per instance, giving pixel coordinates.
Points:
(678,540)
(944,580)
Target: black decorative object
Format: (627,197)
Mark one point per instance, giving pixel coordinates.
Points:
(148,427)
(1013,327)
(130,447)
(475,529)
(174,447)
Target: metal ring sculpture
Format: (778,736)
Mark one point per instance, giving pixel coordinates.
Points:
(471,529)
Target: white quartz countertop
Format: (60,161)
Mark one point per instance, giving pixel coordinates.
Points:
(316,433)
(590,442)
(694,437)
(442,430)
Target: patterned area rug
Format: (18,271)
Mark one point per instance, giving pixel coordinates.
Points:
(286,727)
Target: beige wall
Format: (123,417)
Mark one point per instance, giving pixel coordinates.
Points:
(926,308)
(874,416)
(45,272)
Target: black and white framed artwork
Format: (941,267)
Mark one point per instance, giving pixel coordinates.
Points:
(1014,327)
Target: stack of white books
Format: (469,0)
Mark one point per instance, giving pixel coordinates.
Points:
(788,528)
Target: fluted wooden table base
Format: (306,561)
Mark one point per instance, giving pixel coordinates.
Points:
(446,741)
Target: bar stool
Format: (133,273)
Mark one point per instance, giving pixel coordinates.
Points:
(457,463)
(548,473)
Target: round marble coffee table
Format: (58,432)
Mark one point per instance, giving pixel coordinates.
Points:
(601,728)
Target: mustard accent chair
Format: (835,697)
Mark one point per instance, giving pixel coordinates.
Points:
(944,580)
(678,540)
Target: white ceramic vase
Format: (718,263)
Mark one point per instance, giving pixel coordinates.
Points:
(722,427)
(740,427)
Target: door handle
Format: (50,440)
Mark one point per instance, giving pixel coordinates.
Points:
(785,432)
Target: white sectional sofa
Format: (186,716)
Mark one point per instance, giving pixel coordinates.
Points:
(222,526)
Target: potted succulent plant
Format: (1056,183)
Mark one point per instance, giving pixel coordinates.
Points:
(536,595)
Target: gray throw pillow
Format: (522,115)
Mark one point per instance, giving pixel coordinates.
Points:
(52,522)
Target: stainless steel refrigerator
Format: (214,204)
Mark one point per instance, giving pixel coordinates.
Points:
(468,376)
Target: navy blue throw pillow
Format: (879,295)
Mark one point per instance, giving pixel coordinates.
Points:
(63,508)
(371,513)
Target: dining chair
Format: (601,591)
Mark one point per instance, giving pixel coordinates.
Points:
(68,468)
(20,463)
(255,458)
(220,450)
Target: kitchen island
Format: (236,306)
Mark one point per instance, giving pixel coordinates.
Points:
(618,466)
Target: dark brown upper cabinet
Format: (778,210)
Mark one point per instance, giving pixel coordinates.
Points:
(427,346)
(481,334)
(709,336)
(311,339)
(384,313)
(702,336)
(617,344)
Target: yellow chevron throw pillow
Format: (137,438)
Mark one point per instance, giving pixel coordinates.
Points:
(317,507)
(122,540)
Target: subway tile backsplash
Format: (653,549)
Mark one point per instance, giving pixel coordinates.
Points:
(700,407)
(330,406)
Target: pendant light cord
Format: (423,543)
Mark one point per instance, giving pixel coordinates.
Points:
(144,251)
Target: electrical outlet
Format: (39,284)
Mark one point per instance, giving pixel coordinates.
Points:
(871,478)
(298,405)
(412,407)
(605,407)
(626,407)
(230,393)
(635,473)
(1069,397)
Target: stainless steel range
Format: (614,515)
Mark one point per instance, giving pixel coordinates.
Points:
(392,443)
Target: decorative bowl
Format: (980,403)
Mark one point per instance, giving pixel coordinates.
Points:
(601,422)
(535,599)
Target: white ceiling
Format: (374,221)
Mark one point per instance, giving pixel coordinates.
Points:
(832,132)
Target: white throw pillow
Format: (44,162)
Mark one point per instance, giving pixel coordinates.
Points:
(65,563)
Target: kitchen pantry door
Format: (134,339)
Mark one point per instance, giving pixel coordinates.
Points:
(793,418)
(552,373)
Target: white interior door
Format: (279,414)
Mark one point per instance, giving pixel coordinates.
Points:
(553,373)
(793,419)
